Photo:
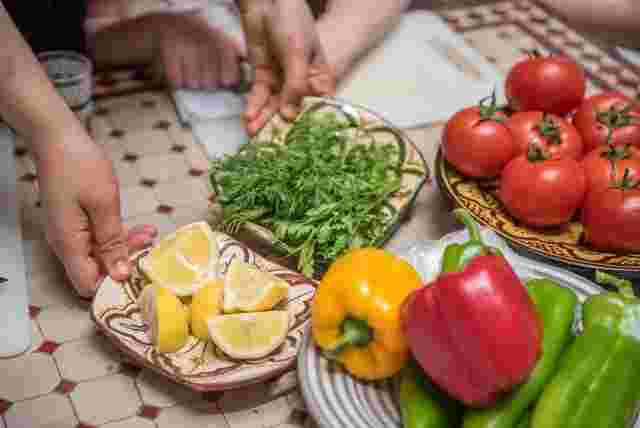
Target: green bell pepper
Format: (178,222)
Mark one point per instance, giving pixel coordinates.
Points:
(422,404)
(556,306)
(456,256)
(525,421)
(596,383)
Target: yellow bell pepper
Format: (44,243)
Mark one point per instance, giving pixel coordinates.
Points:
(356,312)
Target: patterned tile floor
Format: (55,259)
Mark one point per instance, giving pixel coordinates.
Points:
(72,377)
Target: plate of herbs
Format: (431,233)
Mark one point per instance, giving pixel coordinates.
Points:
(337,177)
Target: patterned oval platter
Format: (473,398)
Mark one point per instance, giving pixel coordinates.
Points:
(364,130)
(561,245)
(199,364)
(337,400)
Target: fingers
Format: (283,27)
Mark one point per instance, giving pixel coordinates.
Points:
(141,236)
(69,237)
(172,66)
(261,119)
(257,100)
(291,32)
(109,234)
(229,63)
(253,14)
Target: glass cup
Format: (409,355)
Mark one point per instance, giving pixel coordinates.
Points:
(72,75)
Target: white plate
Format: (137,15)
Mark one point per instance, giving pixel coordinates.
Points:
(337,400)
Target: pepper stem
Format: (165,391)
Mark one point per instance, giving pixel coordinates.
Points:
(624,286)
(465,218)
(355,332)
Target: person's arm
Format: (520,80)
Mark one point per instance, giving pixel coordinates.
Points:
(184,48)
(28,101)
(348,28)
(616,20)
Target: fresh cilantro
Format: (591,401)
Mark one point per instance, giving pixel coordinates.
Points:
(323,191)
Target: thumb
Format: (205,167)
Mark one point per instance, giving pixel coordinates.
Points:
(292,45)
(110,237)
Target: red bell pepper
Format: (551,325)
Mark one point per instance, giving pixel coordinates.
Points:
(474,330)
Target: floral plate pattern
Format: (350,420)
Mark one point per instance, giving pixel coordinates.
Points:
(563,244)
(199,364)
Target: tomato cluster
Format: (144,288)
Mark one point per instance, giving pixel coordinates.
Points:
(558,154)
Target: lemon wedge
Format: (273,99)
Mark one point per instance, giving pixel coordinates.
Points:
(183,260)
(167,317)
(205,304)
(249,336)
(248,289)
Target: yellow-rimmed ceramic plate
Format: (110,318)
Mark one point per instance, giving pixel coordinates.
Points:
(561,245)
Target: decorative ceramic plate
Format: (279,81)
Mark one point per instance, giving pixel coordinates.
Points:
(562,244)
(337,400)
(367,128)
(199,364)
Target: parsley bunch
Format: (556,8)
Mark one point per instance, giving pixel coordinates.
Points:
(320,192)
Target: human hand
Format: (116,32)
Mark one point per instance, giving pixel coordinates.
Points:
(288,58)
(195,55)
(80,194)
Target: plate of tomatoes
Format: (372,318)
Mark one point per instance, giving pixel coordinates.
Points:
(554,171)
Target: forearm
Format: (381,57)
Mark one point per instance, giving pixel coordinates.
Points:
(348,28)
(618,16)
(29,103)
(130,42)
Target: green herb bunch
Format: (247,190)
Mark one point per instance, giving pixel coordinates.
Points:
(323,191)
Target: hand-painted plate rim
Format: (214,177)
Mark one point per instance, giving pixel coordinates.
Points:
(215,382)
(366,115)
(319,394)
(440,165)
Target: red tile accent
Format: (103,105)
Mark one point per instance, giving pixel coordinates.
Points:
(212,395)
(117,133)
(162,124)
(195,172)
(34,311)
(4,406)
(164,209)
(28,177)
(101,111)
(48,347)
(149,412)
(20,151)
(148,103)
(130,157)
(65,387)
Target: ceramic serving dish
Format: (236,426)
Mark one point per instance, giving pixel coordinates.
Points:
(337,400)
(560,245)
(369,128)
(199,364)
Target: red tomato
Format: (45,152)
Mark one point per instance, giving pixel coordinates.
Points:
(553,84)
(607,110)
(558,137)
(611,218)
(477,142)
(540,191)
(604,162)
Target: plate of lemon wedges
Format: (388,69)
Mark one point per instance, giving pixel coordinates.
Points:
(206,311)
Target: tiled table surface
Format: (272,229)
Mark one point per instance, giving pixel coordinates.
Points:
(72,377)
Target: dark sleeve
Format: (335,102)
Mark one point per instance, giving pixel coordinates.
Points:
(50,24)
